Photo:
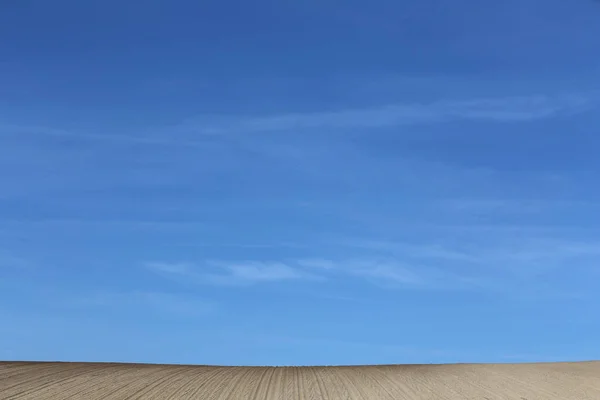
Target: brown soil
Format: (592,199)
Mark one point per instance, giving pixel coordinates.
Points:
(91,381)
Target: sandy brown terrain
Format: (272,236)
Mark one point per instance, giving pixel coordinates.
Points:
(575,381)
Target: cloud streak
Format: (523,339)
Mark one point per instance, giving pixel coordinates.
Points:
(222,273)
(197,132)
(499,109)
(495,265)
(522,266)
(494,251)
(142,139)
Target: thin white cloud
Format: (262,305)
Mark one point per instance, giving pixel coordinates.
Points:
(530,258)
(481,250)
(171,268)
(198,131)
(255,271)
(231,273)
(79,223)
(160,138)
(494,262)
(501,265)
(502,109)
(479,205)
(386,272)
(317,263)
(243,245)
(419,251)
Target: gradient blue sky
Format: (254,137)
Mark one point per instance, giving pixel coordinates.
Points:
(299,182)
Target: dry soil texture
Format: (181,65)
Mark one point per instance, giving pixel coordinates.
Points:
(571,381)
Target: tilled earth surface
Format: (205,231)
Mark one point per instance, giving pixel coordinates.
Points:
(91,381)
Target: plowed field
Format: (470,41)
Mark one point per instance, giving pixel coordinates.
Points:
(62,381)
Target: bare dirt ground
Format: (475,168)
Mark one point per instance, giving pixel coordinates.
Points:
(62,381)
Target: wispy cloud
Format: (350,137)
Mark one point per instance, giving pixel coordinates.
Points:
(419,251)
(200,131)
(170,268)
(97,222)
(389,272)
(392,275)
(529,249)
(379,272)
(493,263)
(250,272)
(231,273)
(244,245)
(318,264)
(496,266)
(499,109)
(478,205)
(142,139)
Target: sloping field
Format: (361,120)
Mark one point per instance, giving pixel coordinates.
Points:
(62,381)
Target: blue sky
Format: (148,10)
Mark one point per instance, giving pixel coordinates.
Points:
(310,182)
